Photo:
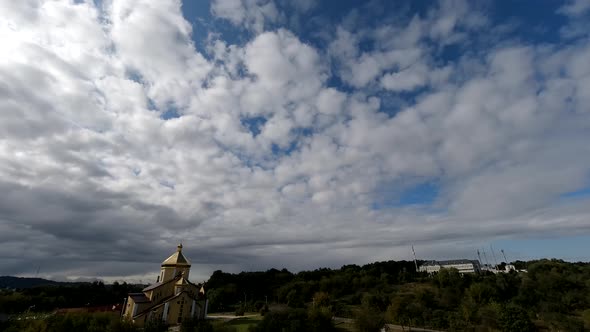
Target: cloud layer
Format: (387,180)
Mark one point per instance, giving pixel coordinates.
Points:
(118,138)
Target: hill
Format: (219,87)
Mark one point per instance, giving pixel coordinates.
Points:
(22,282)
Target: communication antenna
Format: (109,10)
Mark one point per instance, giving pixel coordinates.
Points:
(415,262)
(37,273)
(494,255)
(502,251)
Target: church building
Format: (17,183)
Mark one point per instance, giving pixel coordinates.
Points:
(172,299)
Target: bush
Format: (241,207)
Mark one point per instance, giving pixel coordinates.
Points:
(263,310)
(295,320)
(196,325)
(515,319)
(155,325)
(369,319)
(240,311)
(118,325)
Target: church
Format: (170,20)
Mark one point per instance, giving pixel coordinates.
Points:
(172,299)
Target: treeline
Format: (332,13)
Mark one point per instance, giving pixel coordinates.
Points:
(346,284)
(554,295)
(48,298)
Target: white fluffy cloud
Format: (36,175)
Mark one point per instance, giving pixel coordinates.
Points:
(253,14)
(265,161)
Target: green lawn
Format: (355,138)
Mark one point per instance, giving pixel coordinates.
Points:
(242,324)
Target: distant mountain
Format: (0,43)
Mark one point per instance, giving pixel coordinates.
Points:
(18,282)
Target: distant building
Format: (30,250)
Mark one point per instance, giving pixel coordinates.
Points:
(510,267)
(463,265)
(172,299)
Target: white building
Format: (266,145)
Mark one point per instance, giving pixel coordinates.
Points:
(463,265)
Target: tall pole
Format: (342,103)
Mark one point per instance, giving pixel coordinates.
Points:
(415,262)
(494,255)
(478,255)
(502,251)
(485,256)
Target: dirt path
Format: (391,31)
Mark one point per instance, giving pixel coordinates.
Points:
(392,327)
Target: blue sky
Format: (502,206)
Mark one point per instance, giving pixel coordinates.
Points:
(297,134)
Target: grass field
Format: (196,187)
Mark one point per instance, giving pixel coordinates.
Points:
(243,323)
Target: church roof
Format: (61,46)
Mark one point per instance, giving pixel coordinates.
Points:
(152,308)
(182,281)
(152,286)
(177,258)
(139,297)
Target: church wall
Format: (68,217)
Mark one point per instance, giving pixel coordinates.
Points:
(134,308)
(170,272)
(161,293)
(182,307)
(152,314)
(167,273)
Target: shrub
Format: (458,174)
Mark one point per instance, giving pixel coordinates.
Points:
(240,311)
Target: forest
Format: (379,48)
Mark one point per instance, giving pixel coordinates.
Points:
(553,295)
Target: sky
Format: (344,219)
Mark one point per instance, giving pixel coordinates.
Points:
(290,134)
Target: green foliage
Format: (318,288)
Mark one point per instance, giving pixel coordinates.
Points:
(560,322)
(195,325)
(369,318)
(48,298)
(554,292)
(118,325)
(155,324)
(263,310)
(296,320)
(240,311)
(225,290)
(515,319)
(586,318)
(80,322)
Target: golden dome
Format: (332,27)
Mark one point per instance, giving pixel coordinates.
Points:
(176,258)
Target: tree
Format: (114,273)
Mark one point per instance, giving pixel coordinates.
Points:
(118,325)
(195,325)
(369,318)
(155,324)
(515,319)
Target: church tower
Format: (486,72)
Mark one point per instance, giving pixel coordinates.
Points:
(175,265)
